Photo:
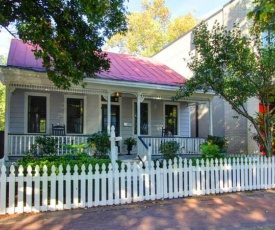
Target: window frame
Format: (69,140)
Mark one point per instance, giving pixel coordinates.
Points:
(178,115)
(26,112)
(84,112)
(149,117)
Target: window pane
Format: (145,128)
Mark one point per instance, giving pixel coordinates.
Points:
(143,119)
(37,108)
(171,118)
(75,111)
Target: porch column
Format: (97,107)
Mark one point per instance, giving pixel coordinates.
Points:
(138,113)
(109,113)
(210,118)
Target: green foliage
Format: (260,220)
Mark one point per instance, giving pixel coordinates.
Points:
(44,146)
(237,68)
(209,150)
(169,149)
(2,106)
(101,143)
(71,160)
(67,35)
(3,59)
(151,29)
(263,14)
(221,142)
(130,141)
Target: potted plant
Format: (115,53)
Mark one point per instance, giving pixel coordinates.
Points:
(130,142)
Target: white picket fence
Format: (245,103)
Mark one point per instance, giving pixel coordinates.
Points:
(52,191)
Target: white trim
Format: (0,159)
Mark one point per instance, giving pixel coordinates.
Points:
(35,94)
(66,96)
(149,116)
(141,85)
(178,114)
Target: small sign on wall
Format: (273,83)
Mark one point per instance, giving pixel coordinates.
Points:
(127,124)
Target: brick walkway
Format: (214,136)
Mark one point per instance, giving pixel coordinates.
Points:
(248,210)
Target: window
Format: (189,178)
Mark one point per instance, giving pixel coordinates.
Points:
(75,111)
(37,115)
(144,118)
(171,118)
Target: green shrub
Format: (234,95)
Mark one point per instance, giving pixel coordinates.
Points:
(64,160)
(209,150)
(43,146)
(221,142)
(101,143)
(169,149)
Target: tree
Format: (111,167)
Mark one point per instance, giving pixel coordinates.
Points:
(67,34)
(151,29)
(179,26)
(3,60)
(263,14)
(237,68)
(2,106)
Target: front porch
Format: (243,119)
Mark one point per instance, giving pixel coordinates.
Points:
(19,144)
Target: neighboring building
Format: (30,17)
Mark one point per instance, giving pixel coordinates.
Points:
(226,122)
(134,96)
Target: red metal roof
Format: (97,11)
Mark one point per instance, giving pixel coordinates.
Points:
(123,67)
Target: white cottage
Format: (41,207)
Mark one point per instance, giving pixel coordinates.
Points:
(134,96)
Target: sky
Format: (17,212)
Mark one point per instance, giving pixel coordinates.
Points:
(199,8)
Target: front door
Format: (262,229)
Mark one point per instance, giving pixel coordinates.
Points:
(114,118)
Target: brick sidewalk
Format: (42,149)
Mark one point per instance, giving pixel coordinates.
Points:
(248,210)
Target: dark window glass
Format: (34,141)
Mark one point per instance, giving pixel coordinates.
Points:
(75,111)
(37,107)
(144,120)
(171,118)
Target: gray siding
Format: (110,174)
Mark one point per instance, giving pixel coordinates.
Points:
(56,108)
(184,120)
(157,120)
(17,112)
(93,114)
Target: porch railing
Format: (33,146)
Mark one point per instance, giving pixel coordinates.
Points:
(188,145)
(19,144)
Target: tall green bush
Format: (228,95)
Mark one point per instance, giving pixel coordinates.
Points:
(214,147)
(101,143)
(169,149)
(221,142)
(43,146)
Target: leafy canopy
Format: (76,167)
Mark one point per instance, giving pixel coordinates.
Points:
(151,29)
(67,34)
(263,14)
(2,106)
(237,68)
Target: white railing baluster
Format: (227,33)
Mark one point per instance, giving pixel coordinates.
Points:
(188,146)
